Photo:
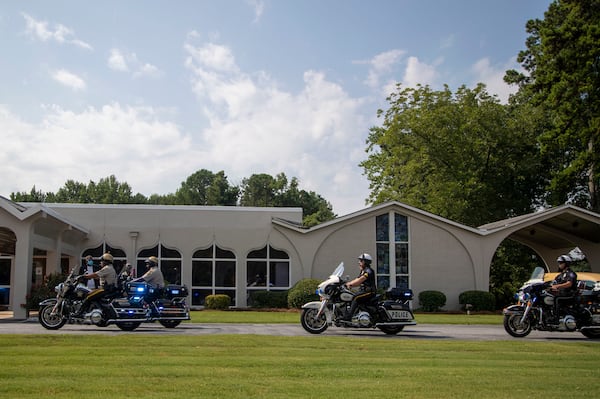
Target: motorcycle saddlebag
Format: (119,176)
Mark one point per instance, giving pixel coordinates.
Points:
(175,291)
(403,294)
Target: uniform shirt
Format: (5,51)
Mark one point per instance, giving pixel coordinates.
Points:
(154,277)
(107,275)
(369,283)
(567,275)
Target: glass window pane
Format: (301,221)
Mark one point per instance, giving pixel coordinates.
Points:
(95,252)
(199,296)
(171,270)
(115,252)
(145,253)
(382,227)
(224,254)
(383,282)
(256,273)
(277,254)
(225,274)
(168,252)
(206,253)
(400,227)
(5,271)
(402,282)
(279,274)
(259,253)
(202,273)
(383,259)
(401,258)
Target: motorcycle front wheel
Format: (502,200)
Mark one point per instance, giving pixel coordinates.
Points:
(592,334)
(50,321)
(513,325)
(311,323)
(170,323)
(389,330)
(128,325)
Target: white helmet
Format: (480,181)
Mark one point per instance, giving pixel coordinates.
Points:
(564,259)
(366,257)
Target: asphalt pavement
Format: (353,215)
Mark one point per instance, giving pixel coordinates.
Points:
(421,331)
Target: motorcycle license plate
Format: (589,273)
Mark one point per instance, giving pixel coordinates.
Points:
(400,314)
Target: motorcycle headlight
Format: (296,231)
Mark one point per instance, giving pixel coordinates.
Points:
(522,296)
(59,288)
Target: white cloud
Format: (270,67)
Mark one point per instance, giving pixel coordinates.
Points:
(132,143)
(61,34)
(419,73)
(493,77)
(381,65)
(259,8)
(69,79)
(257,128)
(116,61)
(124,62)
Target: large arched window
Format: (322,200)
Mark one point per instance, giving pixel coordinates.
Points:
(213,272)
(268,268)
(169,262)
(392,251)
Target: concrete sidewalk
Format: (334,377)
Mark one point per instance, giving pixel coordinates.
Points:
(7,316)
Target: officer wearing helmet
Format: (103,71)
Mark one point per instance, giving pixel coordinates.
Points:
(106,274)
(565,284)
(566,281)
(108,280)
(153,275)
(366,282)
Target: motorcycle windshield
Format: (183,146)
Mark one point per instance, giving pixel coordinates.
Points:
(537,274)
(339,271)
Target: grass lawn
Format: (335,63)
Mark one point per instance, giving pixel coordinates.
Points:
(293,316)
(132,365)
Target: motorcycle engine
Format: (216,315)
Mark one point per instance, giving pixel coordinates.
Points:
(568,323)
(363,319)
(549,300)
(346,297)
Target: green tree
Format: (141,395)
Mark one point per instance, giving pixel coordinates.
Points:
(460,155)
(562,77)
(33,196)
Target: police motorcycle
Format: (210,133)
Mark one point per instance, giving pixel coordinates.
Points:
(389,313)
(127,305)
(536,309)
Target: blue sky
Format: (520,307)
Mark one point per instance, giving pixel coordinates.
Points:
(152,91)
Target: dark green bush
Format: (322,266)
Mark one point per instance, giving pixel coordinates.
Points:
(431,301)
(43,291)
(218,301)
(268,299)
(303,291)
(479,300)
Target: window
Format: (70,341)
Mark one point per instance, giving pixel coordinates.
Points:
(213,272)
(5,266)
(268,268)
(392,255)
(169,262)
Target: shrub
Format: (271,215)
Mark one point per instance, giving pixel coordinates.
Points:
(479,300)
(431,301)
(269,299)
(218,301)
(303,291)
(43,291)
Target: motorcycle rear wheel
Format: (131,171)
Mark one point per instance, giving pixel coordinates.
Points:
(389,330)
(49,321)
(311,323)
(170,323)
(513,326)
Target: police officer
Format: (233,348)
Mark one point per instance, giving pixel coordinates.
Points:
(565,284)
(366,281)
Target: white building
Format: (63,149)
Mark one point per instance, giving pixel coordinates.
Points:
(237,250)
